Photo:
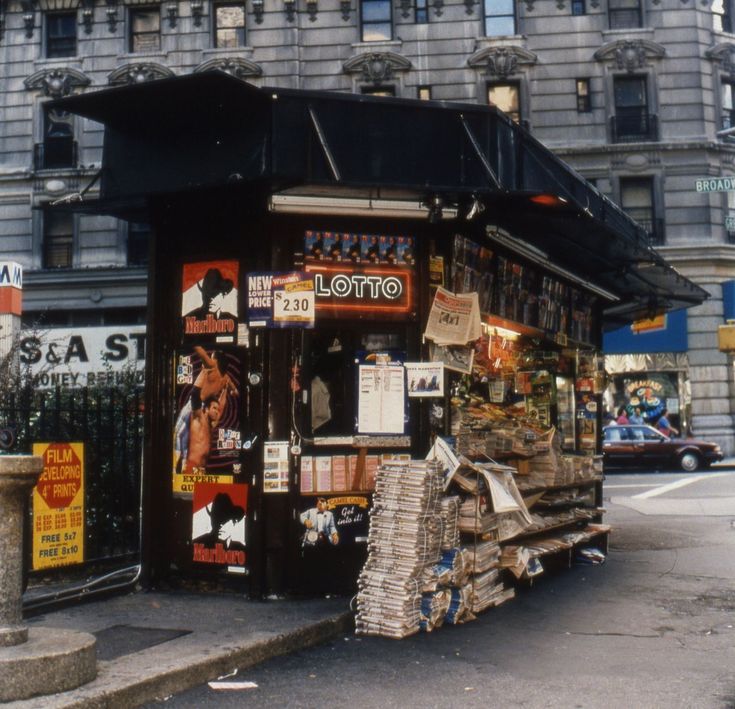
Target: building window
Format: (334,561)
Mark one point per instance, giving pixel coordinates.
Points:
(377,24)
(507,98)
(61,34)
(730,218)
(721,16)
(728,108)
(378,90)
(145,29)
(59,149)
(139,234)
(58,239)
(632,121)
(624,14)
(579,7)
(636,199)
(229,25)
(500,18)
(424,93)
(584,105)
(421,11)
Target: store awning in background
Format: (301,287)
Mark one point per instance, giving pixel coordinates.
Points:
(211,130)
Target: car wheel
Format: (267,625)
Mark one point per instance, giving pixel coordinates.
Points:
(689,462)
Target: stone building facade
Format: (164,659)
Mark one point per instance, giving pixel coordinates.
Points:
(634,94)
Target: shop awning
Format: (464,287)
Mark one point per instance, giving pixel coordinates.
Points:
(211,130)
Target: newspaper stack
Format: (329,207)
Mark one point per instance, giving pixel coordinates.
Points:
(488,590)
(450,521)
(483,556)
(476,517)
(404,539)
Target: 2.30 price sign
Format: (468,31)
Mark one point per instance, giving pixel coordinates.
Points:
(295,303)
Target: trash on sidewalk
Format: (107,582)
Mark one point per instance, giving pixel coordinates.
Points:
(232,684)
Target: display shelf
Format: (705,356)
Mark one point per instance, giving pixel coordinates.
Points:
(530,490)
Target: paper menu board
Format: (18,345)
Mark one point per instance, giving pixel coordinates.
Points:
(381,399)
(306,482)
(323,470)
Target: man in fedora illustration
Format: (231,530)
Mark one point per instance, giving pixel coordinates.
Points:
(214,289)
(224,516)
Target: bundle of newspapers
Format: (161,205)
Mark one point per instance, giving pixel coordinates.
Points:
(404,540)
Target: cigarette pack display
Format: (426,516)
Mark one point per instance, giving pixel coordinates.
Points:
(371,470)
(306,479)
(323,472)
(339,473)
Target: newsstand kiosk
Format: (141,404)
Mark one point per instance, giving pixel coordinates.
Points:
(320,264)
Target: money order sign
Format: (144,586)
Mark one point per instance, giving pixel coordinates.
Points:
(58,506)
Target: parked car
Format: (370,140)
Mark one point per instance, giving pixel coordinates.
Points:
(644,447)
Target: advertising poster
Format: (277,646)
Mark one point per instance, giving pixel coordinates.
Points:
(329,522)
(275,466)
(280,299)
(425,379)
(218,525)
(209,300)
(58,506)
(207,439)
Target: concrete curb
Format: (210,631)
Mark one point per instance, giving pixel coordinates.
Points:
(149,675)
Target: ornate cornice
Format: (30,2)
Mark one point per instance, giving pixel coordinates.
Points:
(234,66)
(138,74)
(724,53)
(501,62)
(630,54)
(376,67)
(57,82)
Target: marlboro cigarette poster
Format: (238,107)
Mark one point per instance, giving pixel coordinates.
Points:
(218,525)
(207,440)
(209,300)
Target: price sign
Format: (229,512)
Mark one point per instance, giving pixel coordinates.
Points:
(295,303)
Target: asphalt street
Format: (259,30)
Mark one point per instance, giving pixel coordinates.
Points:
(652,627)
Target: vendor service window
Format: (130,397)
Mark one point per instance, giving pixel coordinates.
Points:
(229,24)
(61,34)
(376,22)
(145,29)
(334,356)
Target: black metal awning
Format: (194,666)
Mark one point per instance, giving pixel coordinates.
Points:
(212,130)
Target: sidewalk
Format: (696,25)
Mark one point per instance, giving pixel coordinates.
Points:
(150,645)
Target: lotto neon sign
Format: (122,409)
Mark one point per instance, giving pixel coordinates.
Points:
(360,289)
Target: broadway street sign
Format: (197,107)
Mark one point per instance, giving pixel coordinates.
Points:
(716,184)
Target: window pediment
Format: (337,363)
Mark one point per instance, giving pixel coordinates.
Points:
(630,54)
(138,74)
(376,67)
(723,53)
(57,82)
(501,62)
(238,67)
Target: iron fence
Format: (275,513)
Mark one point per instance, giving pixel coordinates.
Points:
(109,422)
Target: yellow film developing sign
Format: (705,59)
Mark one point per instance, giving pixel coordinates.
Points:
(58,506)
